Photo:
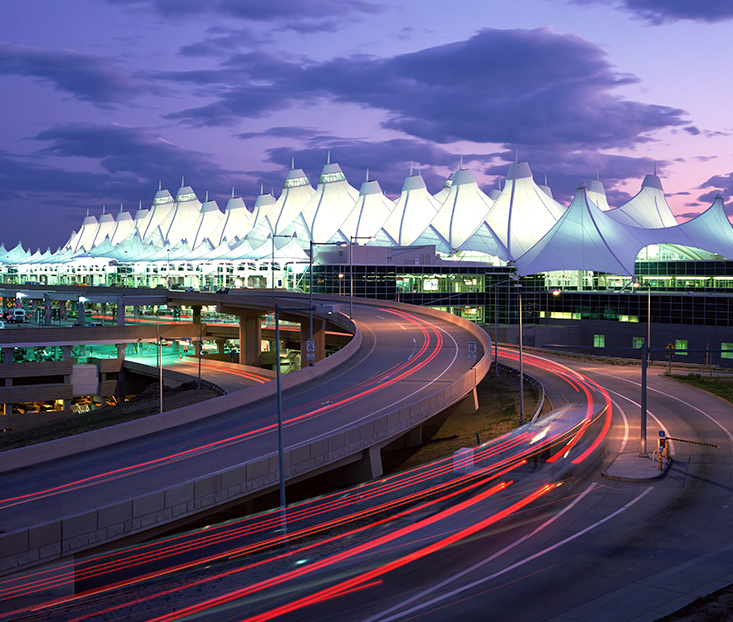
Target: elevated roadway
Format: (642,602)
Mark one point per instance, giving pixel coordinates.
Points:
(405,365)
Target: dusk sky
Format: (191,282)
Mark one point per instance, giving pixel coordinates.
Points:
(104,98)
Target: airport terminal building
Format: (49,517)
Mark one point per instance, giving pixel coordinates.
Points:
(591,276)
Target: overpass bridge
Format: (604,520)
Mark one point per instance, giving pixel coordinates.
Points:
(403,366)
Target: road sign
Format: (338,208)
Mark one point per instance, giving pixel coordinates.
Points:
(310,346)
(310,356)
(471,357)
(670,346)
(472,347)
(670,357)
(661,433)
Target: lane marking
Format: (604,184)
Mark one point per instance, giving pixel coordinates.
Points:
(518,564)
(648,412)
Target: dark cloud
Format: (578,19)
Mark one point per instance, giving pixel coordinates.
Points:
(665,11)
(691,129)
(54,197)
(310,16)
(508,87)
(721,185)
(388,161)
(222,41)
(88,78)
(565,173)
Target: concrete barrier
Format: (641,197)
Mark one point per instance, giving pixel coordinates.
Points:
(74,534)
(60,448)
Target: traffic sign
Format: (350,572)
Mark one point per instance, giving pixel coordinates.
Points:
(310,356)
(310,346)
(670,346)
(472,347)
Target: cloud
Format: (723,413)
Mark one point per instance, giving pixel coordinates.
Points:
(722,185)
(388,161)
(89,78)
(221,41)
(665,11)
(54,197)
(518,87)
(310,16)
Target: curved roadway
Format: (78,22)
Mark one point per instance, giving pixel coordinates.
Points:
(403,357)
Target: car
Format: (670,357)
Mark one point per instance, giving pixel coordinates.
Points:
(222,290)
(17,316)
(191,289)
(2,324)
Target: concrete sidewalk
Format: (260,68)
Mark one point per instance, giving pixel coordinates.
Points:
(632,467)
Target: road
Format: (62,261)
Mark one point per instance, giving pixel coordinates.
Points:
(403,357)
(592,549)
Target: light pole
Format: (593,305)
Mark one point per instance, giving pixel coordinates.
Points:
(280,445)
(159,352)
(637,284)
(352,239)
(496,324)
(341,280)
(556,293)
(521,363)
(272,236)
(310,283)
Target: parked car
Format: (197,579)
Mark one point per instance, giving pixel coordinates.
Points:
(2,324)
(222,290)
(17,316)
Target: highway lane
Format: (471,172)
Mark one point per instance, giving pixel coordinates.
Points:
(624,551)
(402,358)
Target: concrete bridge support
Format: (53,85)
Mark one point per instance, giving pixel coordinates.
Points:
(250,339)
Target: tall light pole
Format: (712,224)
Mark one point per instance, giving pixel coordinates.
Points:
(272,236)
(310,283)
(496,323)
(521,363)
(637,284)
(159,352)
(352,239)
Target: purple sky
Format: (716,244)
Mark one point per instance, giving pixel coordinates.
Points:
(104,98)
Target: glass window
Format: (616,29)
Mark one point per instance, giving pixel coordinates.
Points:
(638,342)
(599,341)
(680,346)
(727,350)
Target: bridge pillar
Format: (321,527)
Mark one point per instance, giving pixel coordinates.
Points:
(66,356)
(319,337)
(250,339)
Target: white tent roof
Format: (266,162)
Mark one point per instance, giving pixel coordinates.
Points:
(179,223)
(443,194)
(296,193)
(413,212)
(586,238)
(208,220)
(649,208)
(236,216)
(597,194)
(329,206)
(163,204)
(84,240)
(463,210)
(523,213)
(106,228)
(124,226)
(368,215)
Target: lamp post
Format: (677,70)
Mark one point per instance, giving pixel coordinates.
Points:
(272,236)
(521,363)
(81,310)
(352,239)
(310,283)
(556,293)
(496,324)
(280,444)
(159,352)
(341,280)
(636,285)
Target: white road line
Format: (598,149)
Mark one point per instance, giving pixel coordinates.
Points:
(518,564)
(648,412)
(487,560)
(626,425)
(702,412)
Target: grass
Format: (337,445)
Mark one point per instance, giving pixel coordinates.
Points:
(717,385)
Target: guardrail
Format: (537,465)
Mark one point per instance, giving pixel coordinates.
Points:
(530,380)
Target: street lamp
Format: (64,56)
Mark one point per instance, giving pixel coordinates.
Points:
(341,280)
(272,236)
(496,324)
(310,283)
(159,352)
(636,285)
(554,292)
(81,310)
(352,239)
(521,363)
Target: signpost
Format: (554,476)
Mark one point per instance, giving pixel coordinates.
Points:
(310,350)
(472,349)
(670,356)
